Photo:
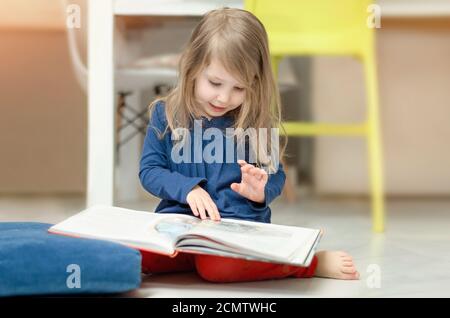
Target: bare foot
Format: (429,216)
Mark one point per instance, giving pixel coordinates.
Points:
(335,264)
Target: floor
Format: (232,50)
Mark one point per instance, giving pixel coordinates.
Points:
(411,259)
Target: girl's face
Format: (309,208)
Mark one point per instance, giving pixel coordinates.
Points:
(217,91)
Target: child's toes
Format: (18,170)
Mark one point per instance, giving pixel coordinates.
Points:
(350,274)
(354,275)
(347,264)
(348,270)
(337,265)
(346,259)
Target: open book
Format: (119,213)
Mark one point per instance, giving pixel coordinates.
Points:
(172,233)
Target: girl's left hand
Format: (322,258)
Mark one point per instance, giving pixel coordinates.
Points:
(252,183)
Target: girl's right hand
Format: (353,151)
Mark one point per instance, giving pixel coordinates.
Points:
(200,202)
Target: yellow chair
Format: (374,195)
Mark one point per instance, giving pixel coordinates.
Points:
(330,27)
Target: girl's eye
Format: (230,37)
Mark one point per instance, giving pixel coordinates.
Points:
(239,89)
(214,83)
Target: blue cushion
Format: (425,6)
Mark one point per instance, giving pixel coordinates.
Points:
(35,262)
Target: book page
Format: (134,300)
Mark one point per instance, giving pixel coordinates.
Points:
(269,241)
(138,229)
(195,249)
(205,246)
(175,226)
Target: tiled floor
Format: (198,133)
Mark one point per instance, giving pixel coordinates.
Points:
(411,259)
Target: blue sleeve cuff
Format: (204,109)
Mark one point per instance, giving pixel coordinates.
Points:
(268,198)
(189,185)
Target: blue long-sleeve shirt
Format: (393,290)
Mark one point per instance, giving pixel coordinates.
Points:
(172,181)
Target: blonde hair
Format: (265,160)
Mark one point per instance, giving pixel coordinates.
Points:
(239,41)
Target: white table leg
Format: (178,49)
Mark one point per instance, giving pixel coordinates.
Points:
(101,108)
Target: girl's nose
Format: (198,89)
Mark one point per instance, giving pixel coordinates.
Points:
(223,98)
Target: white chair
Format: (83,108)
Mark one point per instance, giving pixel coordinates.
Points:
(132,78)
(140,74)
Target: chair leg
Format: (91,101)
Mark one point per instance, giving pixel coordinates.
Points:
(375,149)
(376,179)
(289,191)
(120,105)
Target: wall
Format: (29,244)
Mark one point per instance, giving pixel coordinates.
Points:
(43,115)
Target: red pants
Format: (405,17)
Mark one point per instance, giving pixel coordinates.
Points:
(219,269)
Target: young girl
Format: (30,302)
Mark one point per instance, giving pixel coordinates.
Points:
(225,81)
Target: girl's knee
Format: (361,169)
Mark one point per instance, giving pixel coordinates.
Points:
(204,265)
(216,269)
